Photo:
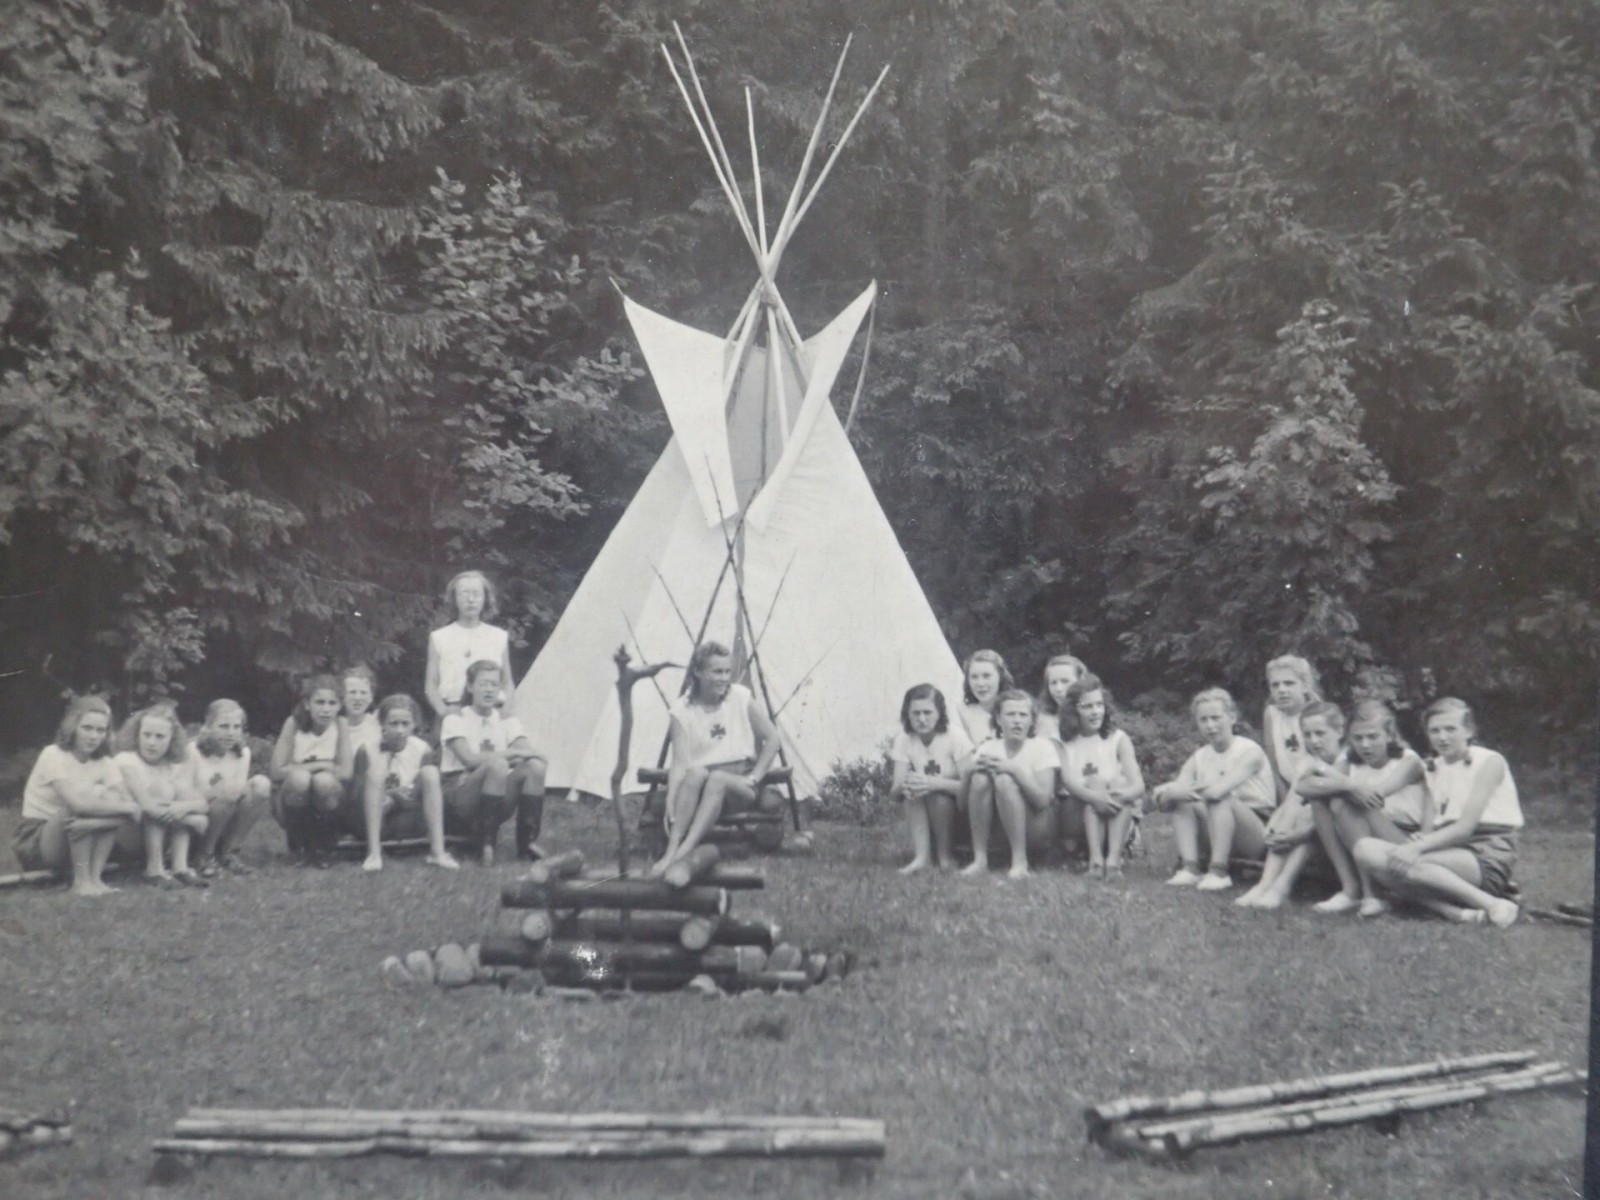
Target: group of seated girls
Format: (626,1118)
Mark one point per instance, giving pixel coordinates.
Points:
(1441,833)
(1051,769)
(336,767)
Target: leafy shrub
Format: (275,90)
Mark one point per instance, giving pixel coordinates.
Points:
(1162,733)
(857,791)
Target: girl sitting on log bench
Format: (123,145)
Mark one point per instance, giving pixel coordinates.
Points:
(1223,795)
(1461,867)
(402,787)
(722,744)
(1014,775)
(490,768)
(154,762)
(75,808)
(930,757)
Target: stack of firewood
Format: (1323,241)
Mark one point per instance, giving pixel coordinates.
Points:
(1174,1126)
(347,1133)
(28,1131)
(600,932)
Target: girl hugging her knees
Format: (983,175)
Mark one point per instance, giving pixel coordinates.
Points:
(722,745)
(402,789)
(1013,774)
(1099,772)
(75,807)
(311,770)
(1222,795)
(154,761)
(489,767)
(235,796)
(1292,828)
(1459,863)
(929,757)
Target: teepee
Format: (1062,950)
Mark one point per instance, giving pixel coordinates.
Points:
(757,528)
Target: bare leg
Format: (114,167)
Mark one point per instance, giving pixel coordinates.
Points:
(1117,837)
(1013,810)
(919,831)
(1289,868)
(1233,827)
(718,788)
(681,806)
(373,802)
(1270,871)
(1095,834)
(245,815)
(941,821)
(1449,876)
(1351,884)
(1186,825)
(980,813)
(155,866)
(220,813)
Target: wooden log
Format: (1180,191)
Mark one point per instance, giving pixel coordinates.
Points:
(26,878)
(1399,1091)
(667,927)
(735,877)
(564,961)
(770,980)
(1572,910)
(616,893)
(693,867)
(475,1123)
(696,933)
(536,928)
(641,1144)
(816,967)
(1099,1117)
(565,865)
(1449,1092)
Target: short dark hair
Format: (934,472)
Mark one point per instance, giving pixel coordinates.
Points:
(924,691)
(474,669)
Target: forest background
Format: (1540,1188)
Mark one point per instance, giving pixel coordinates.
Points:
(1210,328)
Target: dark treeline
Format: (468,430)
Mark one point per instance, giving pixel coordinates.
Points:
(1210,329)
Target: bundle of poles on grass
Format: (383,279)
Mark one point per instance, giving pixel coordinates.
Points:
(1174,1126)
(1581,915)
(21,1131)
(353,1133)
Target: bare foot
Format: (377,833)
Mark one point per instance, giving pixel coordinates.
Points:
(659,867)
(84,889)
(1019,871)
(373,862)
(443,859)
(947,864)
(1269,900)
(915,865)
(975,867)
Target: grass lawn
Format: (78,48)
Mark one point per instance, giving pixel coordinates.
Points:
(981,1018)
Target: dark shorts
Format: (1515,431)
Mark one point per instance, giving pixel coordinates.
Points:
(1496,854)
(27,843)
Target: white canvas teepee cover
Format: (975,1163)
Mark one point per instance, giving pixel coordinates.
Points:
(844,627)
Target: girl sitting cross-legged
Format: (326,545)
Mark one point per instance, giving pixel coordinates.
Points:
(1100,772)
(489,767)
(1291,830)
(1013,774)
(311,770)
(402,788)
(154,762)
(1461,867)
(1222,795)
(722,744)
(219,759)
(1381,795)
(929,757)
(75,808)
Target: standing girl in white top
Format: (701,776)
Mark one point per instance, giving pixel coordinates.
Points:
(929,758)
(469,638)
(154,762)
(311,769)
(1461,866)
(219,758)
(1013,774)
(722,744)
(75,808)
(1060,673)
(1223,794)
(1100,772)
(1291,685)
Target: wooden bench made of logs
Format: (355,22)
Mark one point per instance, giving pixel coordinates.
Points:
(758,822)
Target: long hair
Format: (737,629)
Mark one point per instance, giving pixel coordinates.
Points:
(128,736)
(491,599)
(80,708)
(924,691)
(989,656)
(694,676)
(317,683)
(1013,695)
(1045,702)
(1081,687)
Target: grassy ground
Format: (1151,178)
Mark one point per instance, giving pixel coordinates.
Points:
(982,1018)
